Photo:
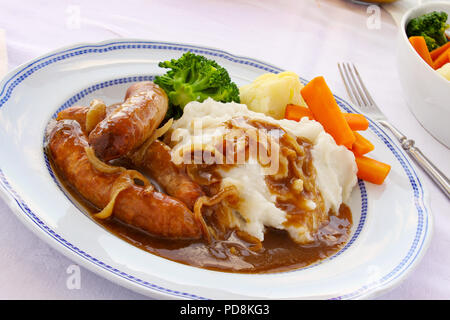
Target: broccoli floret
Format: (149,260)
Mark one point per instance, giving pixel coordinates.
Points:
(431,26)
(195,78)
(431,43)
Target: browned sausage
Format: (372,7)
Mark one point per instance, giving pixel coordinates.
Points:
(142,207)
(77,113)
(157,163)
(131,123)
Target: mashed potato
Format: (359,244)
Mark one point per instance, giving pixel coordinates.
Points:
(335,166)
(270,93)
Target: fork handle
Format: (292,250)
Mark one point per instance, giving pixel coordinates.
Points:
(408,145)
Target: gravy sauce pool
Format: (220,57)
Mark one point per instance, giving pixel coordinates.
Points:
(279,253)
(233,253)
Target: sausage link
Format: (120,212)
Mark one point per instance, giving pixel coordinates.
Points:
(77,113)
(131,123)
(142,207)
(157,163)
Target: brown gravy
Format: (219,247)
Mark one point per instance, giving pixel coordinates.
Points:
(233,253)
(279,253)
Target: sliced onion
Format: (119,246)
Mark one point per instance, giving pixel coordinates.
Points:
(124,181)
(96,113)
(100,165)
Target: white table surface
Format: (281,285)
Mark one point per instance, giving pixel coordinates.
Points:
(306,36)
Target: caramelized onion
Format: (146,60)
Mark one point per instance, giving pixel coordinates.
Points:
(124,181)
(229,191)
(100,165)
(139,154)
(257,244)
(96,113)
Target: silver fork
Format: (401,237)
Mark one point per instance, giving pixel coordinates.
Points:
(360,97)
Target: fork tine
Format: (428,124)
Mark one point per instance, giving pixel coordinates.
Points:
(355,94)
(366,92)
(361,97)
(347,88)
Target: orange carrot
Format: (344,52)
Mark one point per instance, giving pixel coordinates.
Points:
(442,59)
(325,110)
(437,52)
(371,170)
(356,121)
(294,112)
(419,44)
(361,145)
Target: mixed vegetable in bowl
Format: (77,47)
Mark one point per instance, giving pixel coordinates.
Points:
(427,35)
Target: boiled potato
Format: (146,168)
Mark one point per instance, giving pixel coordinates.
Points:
(445,71)
(270,93)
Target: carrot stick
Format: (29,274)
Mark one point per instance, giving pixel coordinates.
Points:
(361,145)
(325,110)
(437,52)
(371,170)
(294,112)
(356,121)
(419,44)
(442,59)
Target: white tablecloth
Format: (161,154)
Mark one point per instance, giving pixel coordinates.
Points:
(305,36)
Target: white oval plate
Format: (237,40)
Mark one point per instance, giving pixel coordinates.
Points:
(392,223)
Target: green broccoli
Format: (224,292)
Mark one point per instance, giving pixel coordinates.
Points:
(431,26)
(195,78)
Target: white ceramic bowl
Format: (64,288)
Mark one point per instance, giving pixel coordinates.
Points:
(426,92)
